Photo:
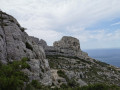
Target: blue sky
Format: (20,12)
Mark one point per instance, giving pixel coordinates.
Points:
(96,23)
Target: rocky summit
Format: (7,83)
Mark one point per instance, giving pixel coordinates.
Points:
(65,56)
(62,64)
(67,46)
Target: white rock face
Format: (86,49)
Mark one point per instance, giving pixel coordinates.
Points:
(16,44)
(70,46)
(67,46)
(67,42)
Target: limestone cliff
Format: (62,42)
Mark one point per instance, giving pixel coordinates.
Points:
(68,63)
(66,57)
(16,44)
(67,46)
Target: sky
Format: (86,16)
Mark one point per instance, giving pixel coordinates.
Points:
(96,23)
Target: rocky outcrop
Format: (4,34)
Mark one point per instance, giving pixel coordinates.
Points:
(16,44)
(76,66)
(42,43)
(68,63)
(67,46)
(82,71)
(70,46)
(68,42)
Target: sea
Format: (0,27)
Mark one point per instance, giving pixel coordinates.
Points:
(110,56)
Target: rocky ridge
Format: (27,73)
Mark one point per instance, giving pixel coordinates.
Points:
(66,56)
(15,44)
(67,46)
(62,63)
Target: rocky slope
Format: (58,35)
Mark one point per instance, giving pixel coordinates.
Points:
(66,63)
(65,56)
(16,44)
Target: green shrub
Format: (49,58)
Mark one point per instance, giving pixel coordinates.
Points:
(25,59)
(90,87)
(72,83)
(20,64)
(100,87)
(11,76)
(61,73)
(24,64)
(103,64)
(35,85)
(29,87)
(0,64)
(64,86)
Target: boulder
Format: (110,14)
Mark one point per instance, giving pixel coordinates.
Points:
(68,42)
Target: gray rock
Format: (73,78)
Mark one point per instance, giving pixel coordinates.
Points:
(81,82)
(16,44)
(3,53)
(68,42)
(67,46)
(42,43)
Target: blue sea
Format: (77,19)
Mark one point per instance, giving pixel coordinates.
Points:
(110,56)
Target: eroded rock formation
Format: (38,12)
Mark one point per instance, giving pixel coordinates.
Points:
(16,44)
(65,56)
(67,46)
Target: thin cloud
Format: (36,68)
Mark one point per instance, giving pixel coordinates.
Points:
(117,23)
(63,17)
